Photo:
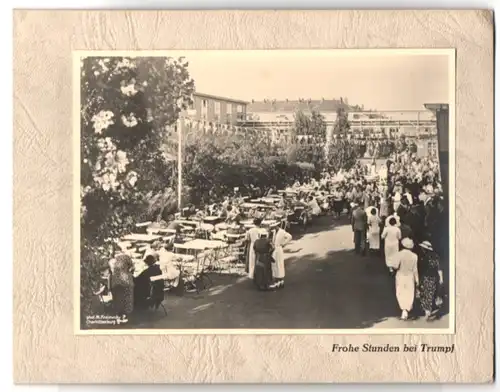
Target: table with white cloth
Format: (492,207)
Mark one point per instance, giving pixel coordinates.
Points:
(143,238)
(207,254)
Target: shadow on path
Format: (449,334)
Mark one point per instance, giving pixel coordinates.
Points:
(341,290)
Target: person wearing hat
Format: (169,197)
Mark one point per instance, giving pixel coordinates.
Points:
(431,277)
(407,279)
(263,249)
(142,283)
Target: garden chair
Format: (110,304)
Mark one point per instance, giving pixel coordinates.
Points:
(157,293)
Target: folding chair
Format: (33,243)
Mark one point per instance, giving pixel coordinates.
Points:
(157,293)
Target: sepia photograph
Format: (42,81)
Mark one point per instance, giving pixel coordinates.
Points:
(264,191)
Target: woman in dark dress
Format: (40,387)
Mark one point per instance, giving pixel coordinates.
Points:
(142,283)
(431,276)
(263,274)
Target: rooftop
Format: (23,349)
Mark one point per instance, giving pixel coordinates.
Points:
(219,98)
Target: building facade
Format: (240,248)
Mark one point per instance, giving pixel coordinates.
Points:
(215,109)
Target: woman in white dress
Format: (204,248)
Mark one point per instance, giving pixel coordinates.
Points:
(252,235)
(405,262)
(391,235)
(373,228)
(281,238)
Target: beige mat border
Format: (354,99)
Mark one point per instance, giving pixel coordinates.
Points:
(45,347)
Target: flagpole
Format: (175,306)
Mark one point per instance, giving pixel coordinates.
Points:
(179,163)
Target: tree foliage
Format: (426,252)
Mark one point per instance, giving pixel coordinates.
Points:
(128,106)
(309,135)
(215,164)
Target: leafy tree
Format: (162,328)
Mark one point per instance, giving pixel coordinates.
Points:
(309,136)
(128,106)
(342,125)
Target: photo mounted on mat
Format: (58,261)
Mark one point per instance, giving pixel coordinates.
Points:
(264,192)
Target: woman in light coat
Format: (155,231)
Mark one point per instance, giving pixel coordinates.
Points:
(281,238)
(405,262)
(252,235)
(373,228)
(391,236)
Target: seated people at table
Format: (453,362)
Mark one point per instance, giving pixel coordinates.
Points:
(251,236)
(200,214)
(142,283)
(173,225)
(226,202)
(231,214)
(314,207)
(178,238)
(271,191)
(235,227)
(189,211)
(122,284)
(222,213)
(263,248)
(166,257)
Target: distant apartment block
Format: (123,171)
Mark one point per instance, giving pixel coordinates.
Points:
(215,109)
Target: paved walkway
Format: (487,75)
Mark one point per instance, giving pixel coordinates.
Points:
(327,286)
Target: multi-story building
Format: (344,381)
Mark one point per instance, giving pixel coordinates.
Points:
(215,109)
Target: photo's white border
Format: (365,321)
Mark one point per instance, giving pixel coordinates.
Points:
(451,53)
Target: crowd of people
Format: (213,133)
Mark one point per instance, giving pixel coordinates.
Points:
(400,213)
(397,211)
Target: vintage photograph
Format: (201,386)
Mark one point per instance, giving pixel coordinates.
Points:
(297,191)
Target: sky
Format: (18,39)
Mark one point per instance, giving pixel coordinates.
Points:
(380,80)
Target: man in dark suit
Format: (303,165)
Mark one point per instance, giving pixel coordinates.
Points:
(359,222)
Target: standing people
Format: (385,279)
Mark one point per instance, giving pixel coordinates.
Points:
(405,262)
(374,230)
(263,272)
(431,277)
(359,224)
(338,206)
(280,239)
(391,235)
(122,284)
(252,235)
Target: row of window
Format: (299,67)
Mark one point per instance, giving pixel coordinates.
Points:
(217,107)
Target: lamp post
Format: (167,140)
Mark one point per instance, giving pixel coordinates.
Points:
(181,125)
(180,128)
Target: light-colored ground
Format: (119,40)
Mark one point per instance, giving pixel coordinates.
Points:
(327,286)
